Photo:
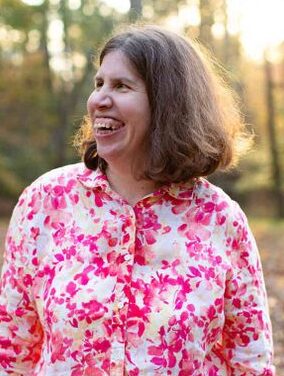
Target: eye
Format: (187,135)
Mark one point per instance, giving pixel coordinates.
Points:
(98,84)
(121,86)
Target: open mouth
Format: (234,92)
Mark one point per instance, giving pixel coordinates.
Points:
(107,127)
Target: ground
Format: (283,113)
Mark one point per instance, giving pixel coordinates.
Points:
(270,238)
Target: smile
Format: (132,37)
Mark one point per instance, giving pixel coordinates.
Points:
(109,126)
(103,126)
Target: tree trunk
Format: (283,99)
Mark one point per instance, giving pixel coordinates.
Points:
(135,12)
(63,108)
(226,43)
(67,98)
(274,152)
(206,22)
(44,45)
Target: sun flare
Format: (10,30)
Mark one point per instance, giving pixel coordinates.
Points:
(259,23)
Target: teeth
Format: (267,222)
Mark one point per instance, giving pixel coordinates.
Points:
(102,125)
(105,125)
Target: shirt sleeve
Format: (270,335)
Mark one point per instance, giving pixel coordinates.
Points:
(20,329)
(247,334)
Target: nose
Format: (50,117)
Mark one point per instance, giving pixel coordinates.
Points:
(99,100)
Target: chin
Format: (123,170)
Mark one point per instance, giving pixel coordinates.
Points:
(110,156)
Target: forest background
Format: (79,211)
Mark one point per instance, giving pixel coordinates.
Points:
(48,50)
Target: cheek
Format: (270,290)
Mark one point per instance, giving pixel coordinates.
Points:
(90,103)
(146,113)
(142,109)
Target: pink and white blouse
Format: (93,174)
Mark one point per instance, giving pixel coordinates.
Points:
(93,286)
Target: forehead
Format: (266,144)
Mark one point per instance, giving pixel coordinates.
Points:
(116,63)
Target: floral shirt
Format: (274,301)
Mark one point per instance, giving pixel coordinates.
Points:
(93,286)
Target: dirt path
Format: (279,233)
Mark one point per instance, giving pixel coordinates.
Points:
(270,239)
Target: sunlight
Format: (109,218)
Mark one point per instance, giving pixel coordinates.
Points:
(74,4)
(55,35)
(188,15)
(121,6)
(33,2)
(261,25)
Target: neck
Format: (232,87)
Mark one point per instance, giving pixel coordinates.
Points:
(127,186)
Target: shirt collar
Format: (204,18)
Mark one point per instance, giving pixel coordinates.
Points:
(93,179)
(182,191)
(96,179)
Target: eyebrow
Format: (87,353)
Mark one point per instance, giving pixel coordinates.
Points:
(117,79)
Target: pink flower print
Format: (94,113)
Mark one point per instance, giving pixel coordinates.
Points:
(34,204)
(144,255)
(197,235)
(74,199)
(140,313)
(71,288)
(59,233)
(69,252)
(100,345)
(58,190)
(84,369)
(60,345)
(150,237)
(148,221)
(203,217)
(134,372)
(55,198)
(91,311)
(188,365)
(136,329)
(35,231)
(213,371)
(211,313)
(185,288)
(98,200)
(164,355)
(208,207)
(180,207)
(194,272)
(171,265)
(83,277)
(70,185)
(92,371)
(193,300)
(28,280)
(220,219)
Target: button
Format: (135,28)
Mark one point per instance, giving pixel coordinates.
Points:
(127,257)
(120,305)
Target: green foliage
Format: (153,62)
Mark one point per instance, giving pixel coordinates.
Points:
(39,104)
(165,7)
(10,183)
(16,14)
(43,93)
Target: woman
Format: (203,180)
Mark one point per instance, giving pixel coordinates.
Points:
(132,263)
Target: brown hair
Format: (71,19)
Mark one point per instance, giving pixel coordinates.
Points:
(196,125)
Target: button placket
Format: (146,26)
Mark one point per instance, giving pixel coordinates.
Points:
(120,306)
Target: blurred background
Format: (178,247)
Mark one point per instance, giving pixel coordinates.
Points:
(47,49)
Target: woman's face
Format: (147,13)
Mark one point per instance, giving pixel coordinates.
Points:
(119,110)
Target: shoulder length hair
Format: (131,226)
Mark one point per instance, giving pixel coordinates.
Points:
(196,126)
